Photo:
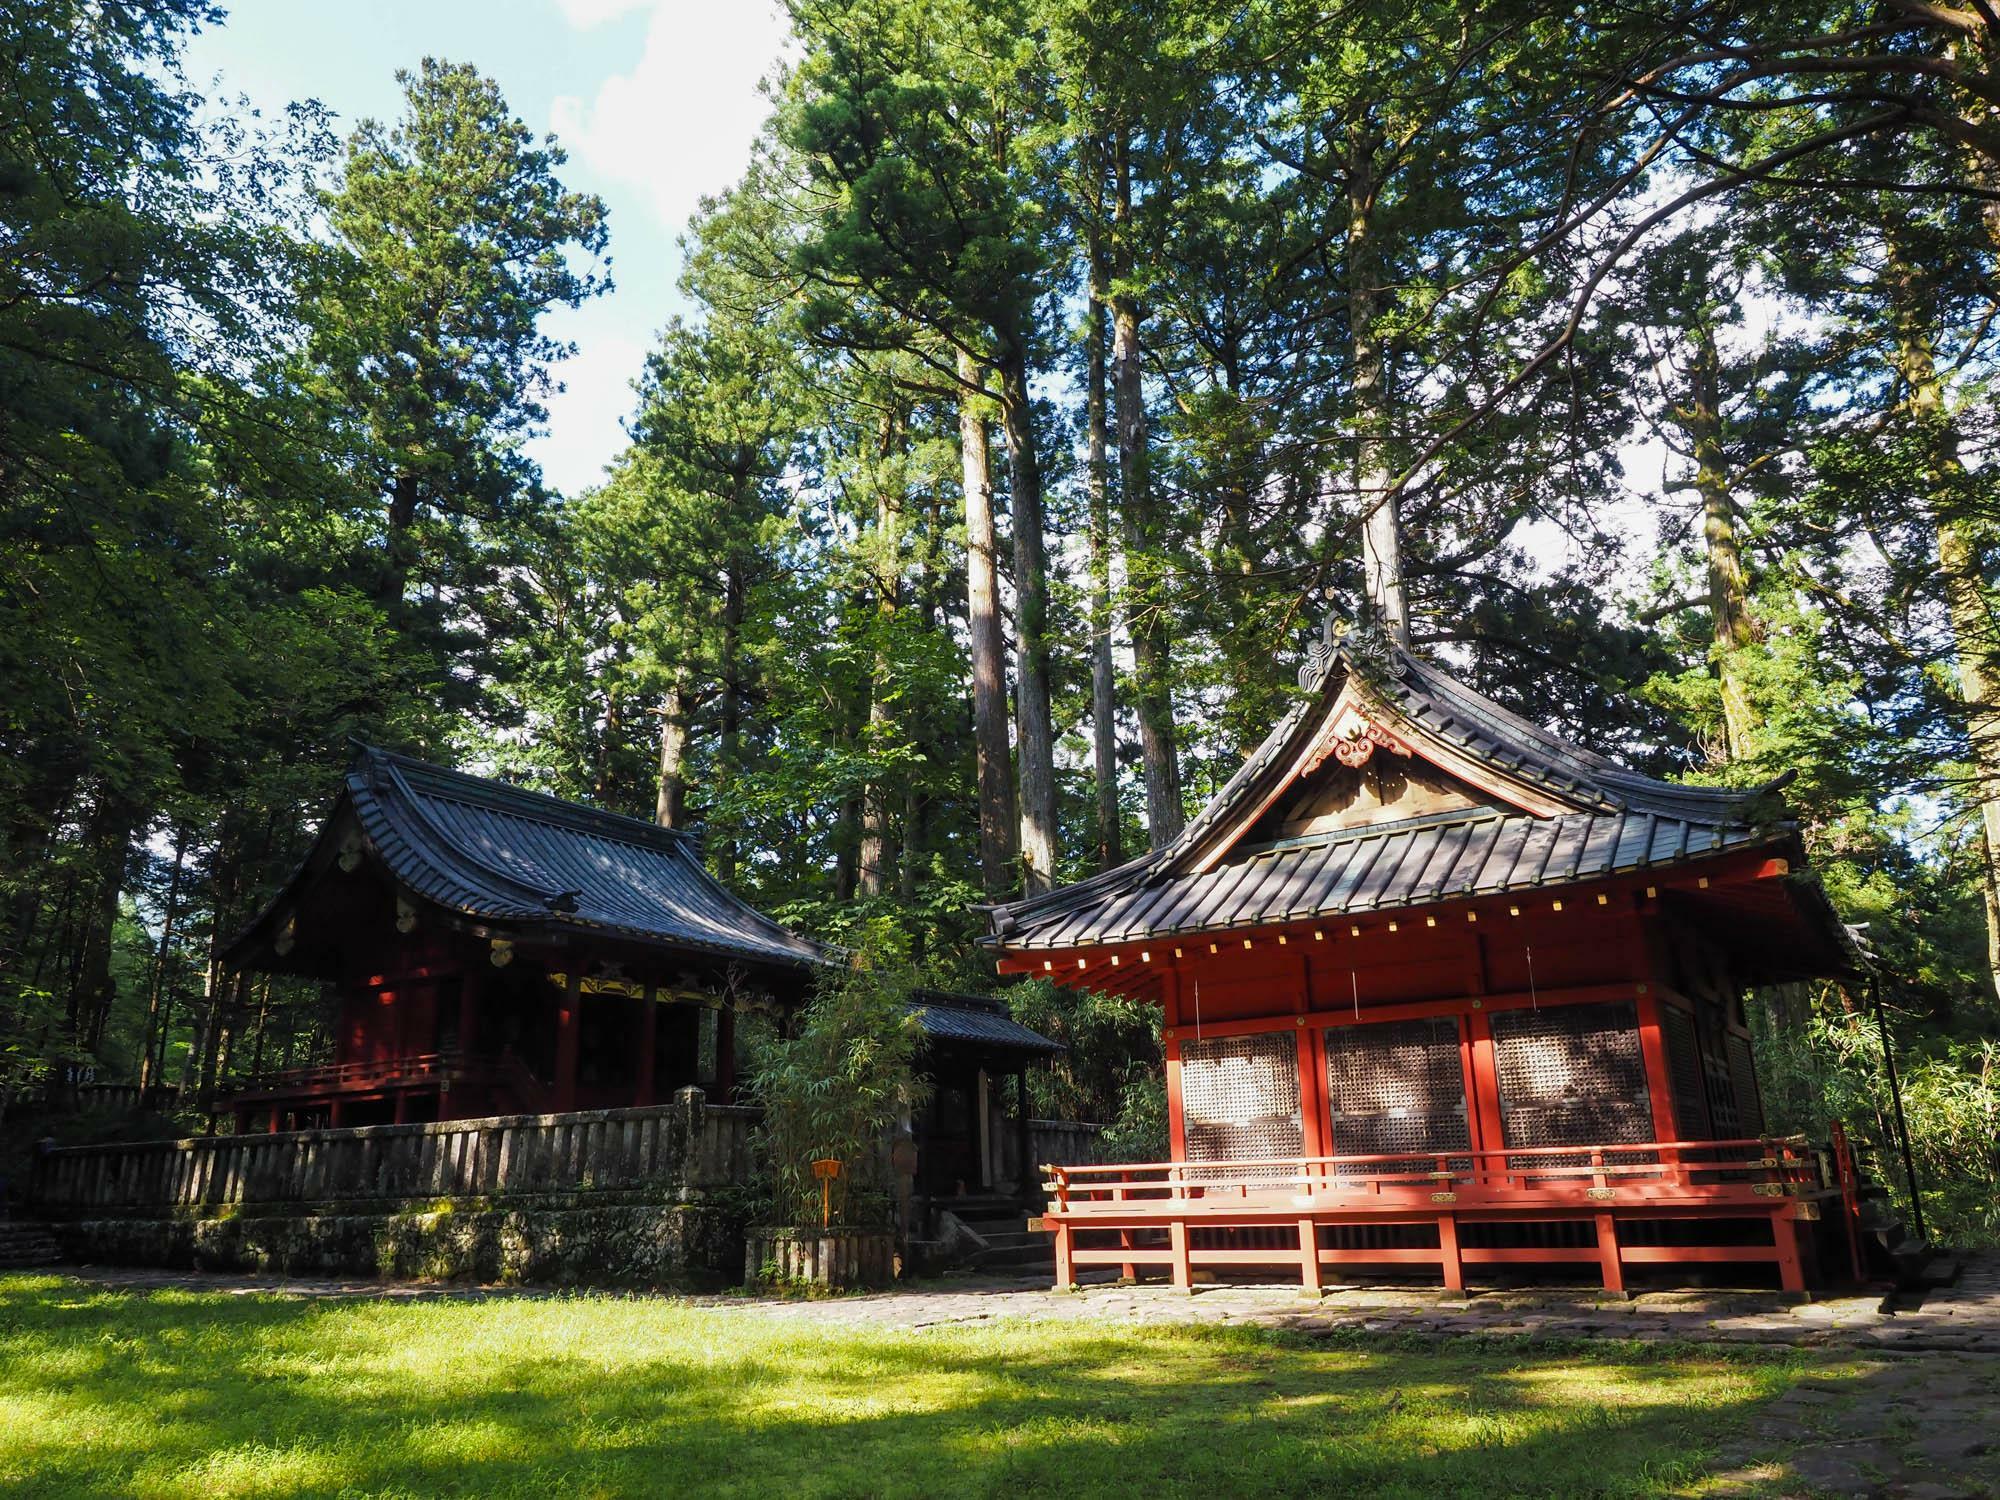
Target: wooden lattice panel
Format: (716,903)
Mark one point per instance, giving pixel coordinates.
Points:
(1684,1063)
(1396,1086)
(1743,1084)
(1572,1075)
(1240,1097)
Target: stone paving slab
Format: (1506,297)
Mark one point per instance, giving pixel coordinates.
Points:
(1963,1318)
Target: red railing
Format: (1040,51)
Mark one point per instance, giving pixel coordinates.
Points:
(1184,1216)
(1751,1168)
(350,1077)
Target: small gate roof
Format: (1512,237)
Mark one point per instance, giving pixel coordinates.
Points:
(974,1023)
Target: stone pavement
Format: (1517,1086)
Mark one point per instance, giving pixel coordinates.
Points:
(1962,1319)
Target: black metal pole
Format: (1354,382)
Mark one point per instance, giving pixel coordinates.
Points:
(1896,1099)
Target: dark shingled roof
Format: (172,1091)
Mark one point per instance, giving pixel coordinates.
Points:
(978,1024)
(1616,820)
(501,854)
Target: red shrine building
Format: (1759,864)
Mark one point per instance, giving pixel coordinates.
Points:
(1441,989)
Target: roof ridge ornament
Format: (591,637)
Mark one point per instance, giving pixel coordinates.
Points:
(1367,647)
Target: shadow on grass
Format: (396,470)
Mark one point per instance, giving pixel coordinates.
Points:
(173,1393)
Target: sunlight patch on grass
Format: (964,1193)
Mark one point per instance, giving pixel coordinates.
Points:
(174,1395)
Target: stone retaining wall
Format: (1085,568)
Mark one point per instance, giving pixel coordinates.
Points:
(627,1244)
(626,1197)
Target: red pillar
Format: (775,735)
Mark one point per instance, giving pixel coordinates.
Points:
(1607,1254)
(1448,1257)
(1312,1096)
(568,1014)
(1176,1126)
(1659,1077)
(649,1036)
(1791,1263)
(1488,1131)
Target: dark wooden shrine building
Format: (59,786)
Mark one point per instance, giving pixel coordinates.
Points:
(1442,989)
(497,951)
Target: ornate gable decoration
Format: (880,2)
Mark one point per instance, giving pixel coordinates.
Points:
(1352,739)
(1367,648)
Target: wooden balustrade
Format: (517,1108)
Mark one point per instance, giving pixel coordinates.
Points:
(1154,1208)
(680,1149)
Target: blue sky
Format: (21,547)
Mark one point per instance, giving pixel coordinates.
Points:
(656,102)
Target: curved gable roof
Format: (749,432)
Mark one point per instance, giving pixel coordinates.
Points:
(1568,814)
(487,851)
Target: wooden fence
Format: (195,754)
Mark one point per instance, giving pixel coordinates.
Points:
(680,1149)
(1067,1143)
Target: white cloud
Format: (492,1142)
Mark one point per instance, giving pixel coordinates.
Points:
(585,432)
(682,121)
(584,14)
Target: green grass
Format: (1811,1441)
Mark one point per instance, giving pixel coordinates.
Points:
(171,1394)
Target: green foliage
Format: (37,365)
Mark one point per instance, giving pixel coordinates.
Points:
(1113,1042)
(1828,1066)
(831,1087)
(1140,1131)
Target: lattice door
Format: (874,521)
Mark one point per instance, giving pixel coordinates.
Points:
(1743,1085)
(1572,1075)
(1716,1074)
(1240,1097)
(1684,1062)
(1396,1086)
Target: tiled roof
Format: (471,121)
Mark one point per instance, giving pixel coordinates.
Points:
(1615,820)
(1380,868)
(968,1021)
(499,853)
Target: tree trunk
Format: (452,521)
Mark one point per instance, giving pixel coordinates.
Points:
(729,760)
(670,799)
(1145,561)
(91,986)
(1034,724)
(988,643)
(1381,531)
(876,858)
(1103,672)
(1700,417)
(1971,610)
(399,549)
(148,1068)
(614,723)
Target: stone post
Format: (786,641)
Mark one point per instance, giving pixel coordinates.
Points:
(687,1136)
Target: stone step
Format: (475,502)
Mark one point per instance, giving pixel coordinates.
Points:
(987,1228)
(27,1244)
(1013,1239)
(1017,1256)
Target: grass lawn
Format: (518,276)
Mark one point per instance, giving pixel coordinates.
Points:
(170,1394)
